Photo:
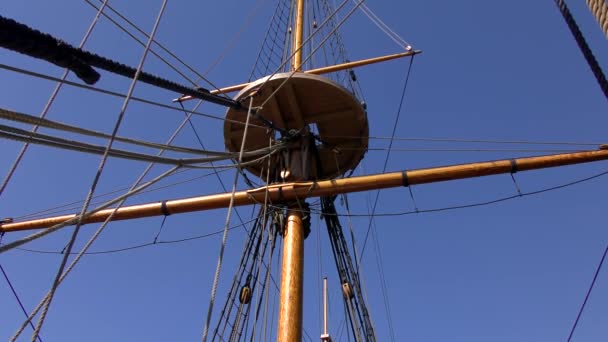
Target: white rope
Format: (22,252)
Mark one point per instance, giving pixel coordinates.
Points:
(599,8)
(225,235)
(385,28)
(68,144)
(30,119)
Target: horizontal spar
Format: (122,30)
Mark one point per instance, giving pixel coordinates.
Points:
(318,71)
(284,192)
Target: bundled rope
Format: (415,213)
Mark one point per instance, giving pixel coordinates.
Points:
(20,38)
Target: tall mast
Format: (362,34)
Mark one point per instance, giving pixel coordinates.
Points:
(292,272)
(298,37)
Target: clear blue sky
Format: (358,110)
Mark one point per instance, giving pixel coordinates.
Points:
(513,271)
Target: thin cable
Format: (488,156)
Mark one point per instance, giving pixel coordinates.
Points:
(230,45)
(388,155)
(225,235)
(215,171)
(580,311)
(201,77)
(142,43)
(50,101)
(17,298)
(162,225)
(69,206)
(138,246)
(97,175)
(385,28)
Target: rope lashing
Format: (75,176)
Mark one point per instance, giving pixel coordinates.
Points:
(405,181)
(513,166)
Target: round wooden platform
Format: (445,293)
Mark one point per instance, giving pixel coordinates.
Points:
(326,108)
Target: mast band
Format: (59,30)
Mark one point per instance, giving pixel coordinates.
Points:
(513,166)
(404,180)
(163,208)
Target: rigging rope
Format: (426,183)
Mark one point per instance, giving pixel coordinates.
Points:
(226,310)
(583,46)
(23,39)
(84,249)
(80,217)
(599,8)
(341,57)
(8,281)
(349,279)
(297,50)
(102,163)
(230,45)
(143,44)
(225,235)
(278,25)
(44,139)
(215,170)
(201,77)
(580,311)
(373,209)
(50,102)
(112,93)
(278,88)
(138,246)
(30,119)
(262,222)
(385,28)
(135,189)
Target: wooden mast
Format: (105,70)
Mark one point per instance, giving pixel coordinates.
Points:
(292,272)
(298,37)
